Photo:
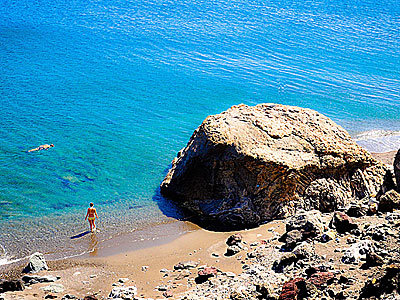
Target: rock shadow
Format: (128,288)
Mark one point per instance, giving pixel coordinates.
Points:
(172,209)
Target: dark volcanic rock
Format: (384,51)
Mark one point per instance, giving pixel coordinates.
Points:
(396,167)
(387,185)
(342,222)
(252,164)
(385,281)
(204,274)
(285,260)
(11,285)
(291,239)
(373,260)
(308,223)
(234,239)
(389,201)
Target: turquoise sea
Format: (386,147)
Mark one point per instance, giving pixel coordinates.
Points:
(119,86)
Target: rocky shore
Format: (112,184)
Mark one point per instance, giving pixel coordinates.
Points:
(348,254)
(330,212)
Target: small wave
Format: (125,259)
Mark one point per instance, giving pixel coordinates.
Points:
(379,141)
(7,261)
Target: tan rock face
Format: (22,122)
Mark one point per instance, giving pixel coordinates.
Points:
(252,164)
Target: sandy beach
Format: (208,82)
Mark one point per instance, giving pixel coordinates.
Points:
(149,268)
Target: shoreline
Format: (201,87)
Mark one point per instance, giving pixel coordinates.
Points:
(96,272)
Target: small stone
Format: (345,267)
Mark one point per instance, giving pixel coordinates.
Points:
(186,265)
(168,294)
(145,268)
(53,288)
(232,250)
(68,296)
(50,296)
(230,274)
(164,270)
(162,288)
(123,280)
(234,239)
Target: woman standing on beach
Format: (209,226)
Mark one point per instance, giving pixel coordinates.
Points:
(91,215)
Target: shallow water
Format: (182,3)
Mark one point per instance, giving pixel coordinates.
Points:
(119,87)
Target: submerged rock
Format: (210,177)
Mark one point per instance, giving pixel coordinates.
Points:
(252,164)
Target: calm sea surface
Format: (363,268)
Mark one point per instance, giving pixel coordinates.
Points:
(119,86)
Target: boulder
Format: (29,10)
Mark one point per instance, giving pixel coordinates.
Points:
(307,222)
(291,239)
(342,222)
(387,185)
(249,165)
(321,279)
(386,281)
(294,289)
(32,279)
(204,274)
(357,210)
(357,252)
(285,260)
(389,201)
(373,260)
(396,167)
(124,292)
(36,263)
(11,285)
(304,250)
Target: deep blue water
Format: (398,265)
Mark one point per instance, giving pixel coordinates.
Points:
(119,86)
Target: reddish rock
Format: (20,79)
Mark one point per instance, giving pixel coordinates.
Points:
(208,271)
(321,278)
(90,297)
(234,239)
(205,273)
(342,222)
(292,289)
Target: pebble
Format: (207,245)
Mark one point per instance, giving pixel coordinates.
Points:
(123,280)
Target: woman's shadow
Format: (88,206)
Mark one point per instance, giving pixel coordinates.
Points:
(79,235)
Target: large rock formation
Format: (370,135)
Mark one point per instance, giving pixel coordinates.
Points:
(248,165)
